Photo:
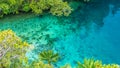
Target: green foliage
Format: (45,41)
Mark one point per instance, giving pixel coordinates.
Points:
(49,56)
(39,64)
(36,8)
(56,7)
(60,8)
(15,5)
(12,52)
(11,48)
(26,7)
(66,66)
(91,63)
(4,8)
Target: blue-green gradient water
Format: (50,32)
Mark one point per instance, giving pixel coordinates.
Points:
(89,32)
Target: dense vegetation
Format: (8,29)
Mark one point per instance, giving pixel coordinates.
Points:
(56,7)
(13,49)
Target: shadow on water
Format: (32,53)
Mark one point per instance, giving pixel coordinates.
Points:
(106,49)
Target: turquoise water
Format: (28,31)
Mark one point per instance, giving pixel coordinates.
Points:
(84,34)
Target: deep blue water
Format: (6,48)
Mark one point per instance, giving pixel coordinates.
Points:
(82,35)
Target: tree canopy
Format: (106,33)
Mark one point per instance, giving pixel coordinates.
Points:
(55,7)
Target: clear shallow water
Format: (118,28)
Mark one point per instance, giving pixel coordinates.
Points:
(102,44)
(75,38)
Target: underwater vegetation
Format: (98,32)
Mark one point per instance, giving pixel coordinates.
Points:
(13,49)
